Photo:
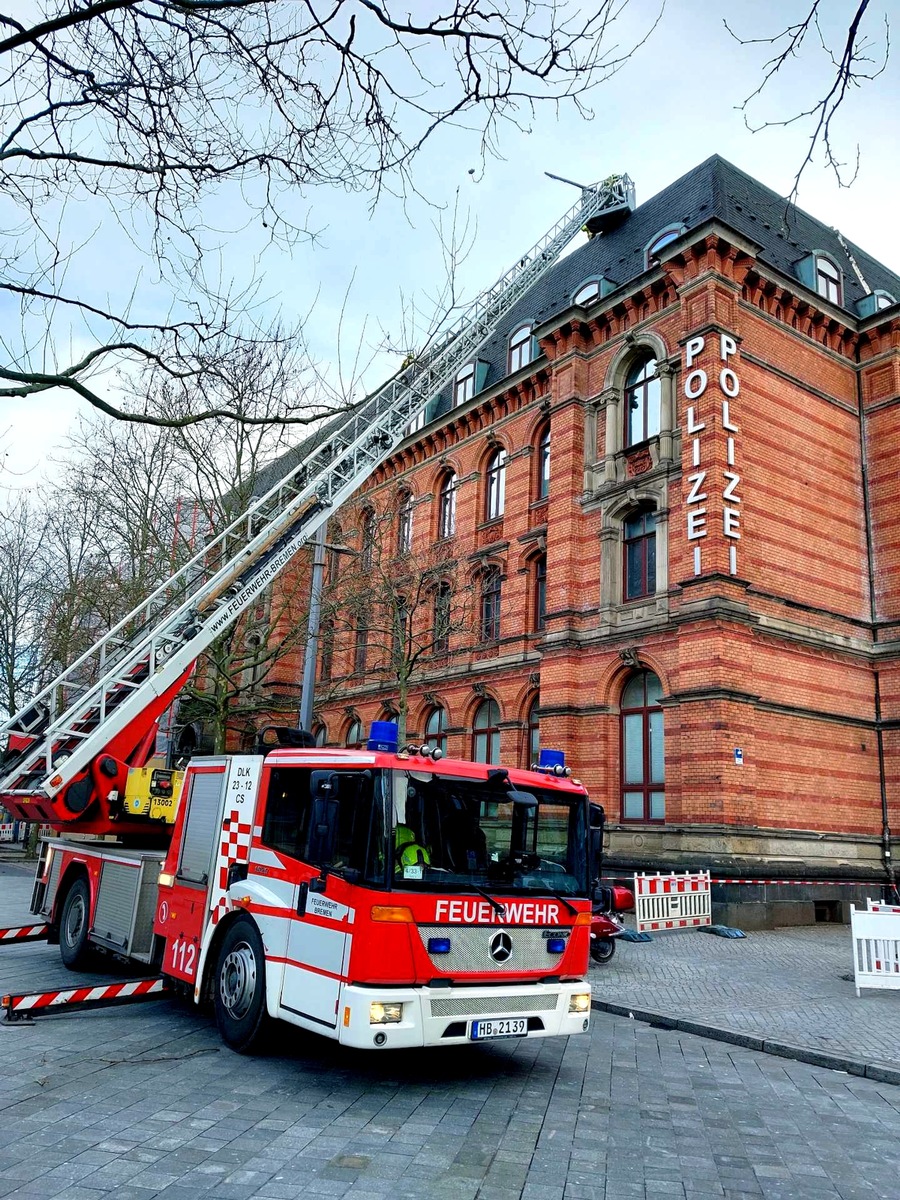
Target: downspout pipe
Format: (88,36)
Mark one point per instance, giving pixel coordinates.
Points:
(886,854)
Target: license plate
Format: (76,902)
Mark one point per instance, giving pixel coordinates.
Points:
(499,1027)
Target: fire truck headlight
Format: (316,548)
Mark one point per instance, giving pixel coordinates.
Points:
(165,879)
(580,1002)
(385,1014)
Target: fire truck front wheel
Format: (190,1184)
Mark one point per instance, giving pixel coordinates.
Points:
(74,923)
(240,987)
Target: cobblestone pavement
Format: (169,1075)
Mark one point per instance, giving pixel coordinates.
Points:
(793,986)
(142,1102)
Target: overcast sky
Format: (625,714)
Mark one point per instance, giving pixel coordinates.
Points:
(672,106)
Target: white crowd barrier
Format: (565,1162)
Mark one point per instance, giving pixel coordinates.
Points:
(672,901)
(876,947)
(7,831)
(880,906)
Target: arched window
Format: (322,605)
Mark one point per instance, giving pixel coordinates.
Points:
(828,280)
(540,591)
(521,346)
(587,293)
(320,734)
(486,733)
(643,758)
(534,732)
(443,599)
(543,464)
(405,524)
(884,300)
(464,387)
(361,644)
(640,554)
(495,495)
(355,736)
(447,505)
(436,729)
(642,394)
(663,238)
(491,584)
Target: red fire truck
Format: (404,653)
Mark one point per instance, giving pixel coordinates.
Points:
(384,898)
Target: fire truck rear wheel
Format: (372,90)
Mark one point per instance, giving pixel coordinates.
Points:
(74,923)
(240,987)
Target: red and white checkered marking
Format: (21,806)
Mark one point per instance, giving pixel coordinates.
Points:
(234,847)
(133,989)
(24,933)
(672,901)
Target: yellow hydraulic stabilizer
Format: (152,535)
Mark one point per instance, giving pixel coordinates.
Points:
(153,793)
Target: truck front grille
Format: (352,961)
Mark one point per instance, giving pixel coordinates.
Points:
(470,949)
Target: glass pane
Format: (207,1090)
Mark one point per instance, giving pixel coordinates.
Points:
(654,689)
(480,747)
(657,806)
(495,747)
(635,431)
(633,807)
(633,696)
(652,401)
(634,575)
(633,732)
(657,760)
(650,544)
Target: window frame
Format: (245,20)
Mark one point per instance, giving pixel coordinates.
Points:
(436,738)
(829,287)
(647,785)
(539,584)
(519,349)
(532,732)
(669,233)
(587,293)
(639,389)
(361,645)
(441,636)
(464,385)
(487,734)
(490,605)
(640,543)
(543,463)
(495,485)
(405,523)
(447,506)
(355,724)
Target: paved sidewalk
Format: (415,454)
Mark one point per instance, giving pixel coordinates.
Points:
(784,991)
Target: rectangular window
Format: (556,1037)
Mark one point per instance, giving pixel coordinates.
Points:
(490,607)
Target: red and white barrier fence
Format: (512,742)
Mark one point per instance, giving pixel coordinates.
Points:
(24,933)
(35,1002)
(880,907)
(876,948)
(672,901)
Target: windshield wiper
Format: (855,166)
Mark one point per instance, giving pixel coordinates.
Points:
(495,904)
(570,908)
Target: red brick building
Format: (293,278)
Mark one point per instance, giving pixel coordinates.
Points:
(669,486)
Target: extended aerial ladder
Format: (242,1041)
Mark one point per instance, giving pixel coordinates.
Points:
(69,750)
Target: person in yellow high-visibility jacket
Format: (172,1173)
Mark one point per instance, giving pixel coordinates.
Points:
(408,852)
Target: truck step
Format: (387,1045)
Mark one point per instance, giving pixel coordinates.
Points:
(24,933)
(33,1003)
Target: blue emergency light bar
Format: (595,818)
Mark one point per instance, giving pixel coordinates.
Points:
(551,762)
(384,735)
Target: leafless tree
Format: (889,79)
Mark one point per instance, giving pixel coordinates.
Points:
(859,57)
(399,606)
(24,578)
(124,117)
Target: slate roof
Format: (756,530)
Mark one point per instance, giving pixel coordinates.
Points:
(715,188)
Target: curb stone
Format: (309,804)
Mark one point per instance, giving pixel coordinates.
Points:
(816,1058)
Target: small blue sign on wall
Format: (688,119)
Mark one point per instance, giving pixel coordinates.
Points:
(738,756)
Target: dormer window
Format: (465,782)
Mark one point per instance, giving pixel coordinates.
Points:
(828,280)
(669,234)
(464,388)
(521,348)
(587,293)
(884,300)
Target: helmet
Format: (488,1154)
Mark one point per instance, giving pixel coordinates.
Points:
(408,852)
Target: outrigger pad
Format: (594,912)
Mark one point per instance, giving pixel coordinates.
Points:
(632,935)
(723,931)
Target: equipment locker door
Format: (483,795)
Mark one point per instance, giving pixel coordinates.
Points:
(318,954)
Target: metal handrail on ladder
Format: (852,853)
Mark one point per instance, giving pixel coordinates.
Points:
(148,651)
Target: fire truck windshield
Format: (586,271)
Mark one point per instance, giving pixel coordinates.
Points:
(456,833)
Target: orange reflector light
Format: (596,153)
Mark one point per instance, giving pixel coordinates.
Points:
(582,919)
(384,912)
(347,1016)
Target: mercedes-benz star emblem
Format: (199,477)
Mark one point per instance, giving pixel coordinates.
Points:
(501,947)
